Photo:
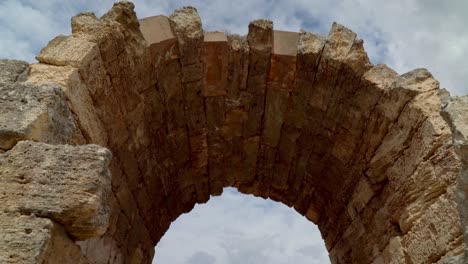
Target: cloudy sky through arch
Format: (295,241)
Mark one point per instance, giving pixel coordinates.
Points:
(237,228)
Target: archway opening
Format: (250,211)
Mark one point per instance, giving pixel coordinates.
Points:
(239,228)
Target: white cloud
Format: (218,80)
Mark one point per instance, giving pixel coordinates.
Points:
(201,257)
(236,228)
(404,34)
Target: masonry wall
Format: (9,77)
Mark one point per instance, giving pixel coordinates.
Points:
(302,119)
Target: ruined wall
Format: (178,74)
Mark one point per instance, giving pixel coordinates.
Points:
(300,118)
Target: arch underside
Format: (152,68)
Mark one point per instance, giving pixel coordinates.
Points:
(302,119)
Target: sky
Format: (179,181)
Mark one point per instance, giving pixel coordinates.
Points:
(235,228)
(404,34)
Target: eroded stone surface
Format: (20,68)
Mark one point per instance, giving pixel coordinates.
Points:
(36,112)
(29,239)
(455,112)
(65,183)
(12,70)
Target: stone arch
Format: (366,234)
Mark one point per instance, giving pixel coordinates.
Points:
(302,119)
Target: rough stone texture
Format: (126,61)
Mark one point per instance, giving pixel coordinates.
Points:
(29,239)
(67,184)
(455,112)
(300,118)
(12,71)
(27,111)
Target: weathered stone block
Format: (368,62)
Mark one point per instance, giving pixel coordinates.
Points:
(35,112)
(30,239)
(187,27)
(158,34)
(12,70)
(69,50)
(77,95)
(65,183)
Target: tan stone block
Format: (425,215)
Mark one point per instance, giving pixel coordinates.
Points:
(30,239)
(67,184)
(158,34)
(393,253)
(436,232)
(34,112)
(187,26)
(69,50)
(77,94)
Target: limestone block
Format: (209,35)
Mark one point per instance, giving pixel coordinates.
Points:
(238,66)
(281,77)
(158,34)
(172,93)
(122,15)
(309,51)
(12,70)
(67,184)
(260,39)
(361,196)
(283,60)
(339,43)
(98,249)
(436,232)
(410,118)
(393,253)
(455,256)
(156,29)
(187,27)
(77,95)
(36,112)
(454,112)
(111,42)
(30,239)
(383,111)
(275,109)
(69,50)
(199,151)
(216,70)
(308,57)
